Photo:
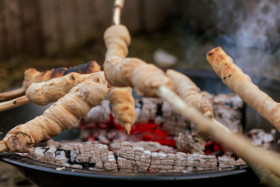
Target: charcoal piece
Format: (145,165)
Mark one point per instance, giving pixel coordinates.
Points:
(61,159)
(39,154)
(190,143)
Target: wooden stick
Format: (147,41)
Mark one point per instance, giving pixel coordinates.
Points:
(118,5)
(191,94)
(241,146)
(4,96)
(14,103)
(265,176)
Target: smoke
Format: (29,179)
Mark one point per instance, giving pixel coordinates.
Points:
(251,34)
(260,27)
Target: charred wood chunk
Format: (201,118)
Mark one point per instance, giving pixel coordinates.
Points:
(190,143)
(259,137)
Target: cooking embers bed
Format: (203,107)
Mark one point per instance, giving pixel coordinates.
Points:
(46,174)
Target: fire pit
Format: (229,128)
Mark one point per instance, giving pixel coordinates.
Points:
(147,158)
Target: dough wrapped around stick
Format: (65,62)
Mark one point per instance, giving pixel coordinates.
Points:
(241,84)
(62,115)
(132,72)
(31,75)
(117,39)
(192,95)
(189,92)
(123,106)
(43,93)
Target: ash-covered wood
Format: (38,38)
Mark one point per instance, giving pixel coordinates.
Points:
(229,110)
(226,161)
(261,138)
(190,143)
(147,145)
(128,157)
(90,155)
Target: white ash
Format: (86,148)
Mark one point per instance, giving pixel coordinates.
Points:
(100,113)
(228,111)
(227,161)
(50,155)
(132,158)
(261,138)
(145,145)
(148,109)
(38,153)
(61,159)
(76,155)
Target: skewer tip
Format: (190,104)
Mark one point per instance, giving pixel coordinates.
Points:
(118,5)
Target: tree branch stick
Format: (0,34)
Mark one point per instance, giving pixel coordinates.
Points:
(14,103)
(118,5)
(4,96)
(266,177)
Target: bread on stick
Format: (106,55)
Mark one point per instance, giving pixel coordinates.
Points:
(117,40)
(241,84)
(31,75)
(189,91)
(62,115)
(133,72)
(123,106)
(43,93)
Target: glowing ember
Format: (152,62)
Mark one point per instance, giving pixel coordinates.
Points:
(143,131)
(151,132)
(214,148)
